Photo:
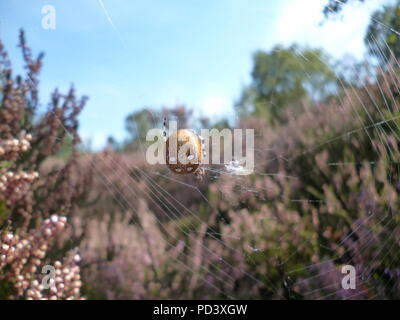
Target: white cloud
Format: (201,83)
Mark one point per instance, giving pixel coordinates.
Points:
(301,23)
(216,105)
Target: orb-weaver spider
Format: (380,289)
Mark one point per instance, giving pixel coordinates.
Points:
(190,162)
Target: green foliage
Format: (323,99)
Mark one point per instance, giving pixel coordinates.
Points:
(4,213)
(5,164)
(137,124)
(382,38)
(6,288)
(66,148)
(283,77)
(336,6)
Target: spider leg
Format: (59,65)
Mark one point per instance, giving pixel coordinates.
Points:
(165,129)
(199,173)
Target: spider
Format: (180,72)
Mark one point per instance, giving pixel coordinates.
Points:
(195,152)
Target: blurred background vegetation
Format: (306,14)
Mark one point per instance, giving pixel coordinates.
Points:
(324,193)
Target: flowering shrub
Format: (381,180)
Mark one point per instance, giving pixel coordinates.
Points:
(22,257)
(324,195)
(29,229)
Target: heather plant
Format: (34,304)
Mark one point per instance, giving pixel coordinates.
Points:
(50,131)
(334,201)
(22,253)
(31,202)
(22,257)
(324,195)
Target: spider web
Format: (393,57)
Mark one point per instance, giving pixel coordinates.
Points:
(325,272)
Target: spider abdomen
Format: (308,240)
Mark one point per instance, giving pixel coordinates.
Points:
(184,151)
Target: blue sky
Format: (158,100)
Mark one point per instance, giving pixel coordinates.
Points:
(163,52)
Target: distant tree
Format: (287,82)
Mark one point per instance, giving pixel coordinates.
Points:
(335,6)
(180,113)
(113,144)
(382,37)
(138,124)
(285,76)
